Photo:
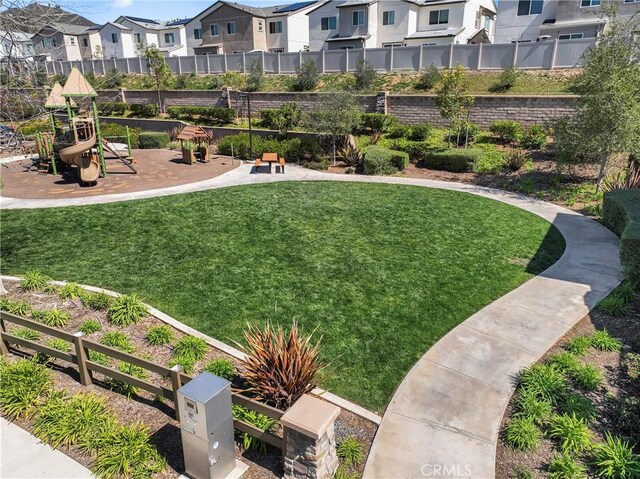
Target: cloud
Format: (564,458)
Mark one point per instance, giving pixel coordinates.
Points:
(122,3)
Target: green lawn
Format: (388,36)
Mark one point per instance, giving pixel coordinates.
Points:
(383,271)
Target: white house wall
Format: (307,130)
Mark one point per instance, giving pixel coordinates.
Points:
(72,48)
(317,36)
(510,27)
(297,31)
(456,17)
(405,21)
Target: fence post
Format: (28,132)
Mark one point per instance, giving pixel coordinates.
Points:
(4,349)
(81,358)
(140,65)
(244,63)
(451,55)
(479,56)
(104,68)
(82,66)
(53,65)
(208,64)
(115,63)
(323,62)
(262,60)
(279,62)
(300,59)
(515,54)
(195,64)
(391,55)
(420,57)
(176,383)
(93,66)
(554,53)
(346,60)
(179,65)
(61,67)
(224,58)
(128,66)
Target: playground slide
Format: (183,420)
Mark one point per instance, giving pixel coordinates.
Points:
(88,167)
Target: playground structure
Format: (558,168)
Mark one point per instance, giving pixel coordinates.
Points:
(82,144)
(195,142)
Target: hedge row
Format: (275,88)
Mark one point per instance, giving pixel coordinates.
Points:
(214,114)
(382,161)
(456,160)
(621,214)
(119,108)
(154,140)
(306,150)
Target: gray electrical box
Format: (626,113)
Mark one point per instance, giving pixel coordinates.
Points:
(206,424)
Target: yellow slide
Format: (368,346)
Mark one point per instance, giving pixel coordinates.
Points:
(88,165)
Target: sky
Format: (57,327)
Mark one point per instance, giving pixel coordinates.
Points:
(108,10)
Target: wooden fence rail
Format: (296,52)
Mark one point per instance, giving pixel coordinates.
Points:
(81,358)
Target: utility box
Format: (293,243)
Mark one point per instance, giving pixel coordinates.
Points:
(206,425)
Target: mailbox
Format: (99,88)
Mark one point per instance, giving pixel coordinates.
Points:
(206,426)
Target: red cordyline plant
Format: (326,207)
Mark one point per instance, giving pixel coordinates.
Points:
(280,366)
(624,180)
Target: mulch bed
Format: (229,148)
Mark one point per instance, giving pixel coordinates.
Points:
(158,416)
(625,328)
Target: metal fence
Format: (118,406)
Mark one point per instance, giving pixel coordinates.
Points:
(543,55)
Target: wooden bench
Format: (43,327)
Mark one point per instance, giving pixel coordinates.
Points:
(257,163)
(281,161)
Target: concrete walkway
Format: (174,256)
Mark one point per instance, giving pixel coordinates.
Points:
(444,418)
(23,456)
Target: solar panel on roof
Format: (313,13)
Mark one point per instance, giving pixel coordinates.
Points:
(293,7)
(143,20)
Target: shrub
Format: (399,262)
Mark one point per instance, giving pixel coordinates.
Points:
(146,110)
(33,281)
(621,214)
(625,291)
(51,317)
(420,132)
(350,451)
(24,383)
(463,132)
(256,419)
(615,459)
(97,301)
(381,161)
(127,309)
(283,119)
(308,76)
(190,346)
(187,361)
(534,138)
(528,404)
(375,124)
(123,387)
(631,365)
(100,358)
(428,78)
(578,345)
(17,307)
(26,333)
(564,466)
(628,417)
(578,405)
(587,377)
(613,306)
(571,432)
(545,382)
(126,451)
(70,291)
(255,78)
(456,161)
(492,161)
(343,473)
(181,82)
(153,140)
(365,75)
(516,159)
(399,131)
(118,340)
(222,368)
(113,79)
(506,81)
(564,362)
(522,434)
(280,367)
(117,133)
(507,131)
(59,345)
(351,155)
(90,326)
(602,341)
(159,335)
(215,115)
(114,108)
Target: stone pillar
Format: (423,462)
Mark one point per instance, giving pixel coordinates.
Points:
(225,98)
(381,102)
(122,95)
(310,442)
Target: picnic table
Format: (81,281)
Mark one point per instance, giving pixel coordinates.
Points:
(269,158)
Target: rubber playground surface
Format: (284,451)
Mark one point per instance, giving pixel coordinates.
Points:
(156,169)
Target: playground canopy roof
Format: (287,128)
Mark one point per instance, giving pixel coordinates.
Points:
(194,133)
(55,98)
(77,85)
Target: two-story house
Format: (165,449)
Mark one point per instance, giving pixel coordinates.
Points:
(59,41)
(534,20)
(127,37)
(15,46)
(227,27)
(341,24)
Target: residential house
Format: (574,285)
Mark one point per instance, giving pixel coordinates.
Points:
(66,42)
(341,24)
(535,20)
(127,36)
(227,27)
(15,46)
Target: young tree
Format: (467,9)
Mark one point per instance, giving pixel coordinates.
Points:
(335,115)
(365,75)
(255,79)
(308,76)
(157,68)
(608,115)
(453,97)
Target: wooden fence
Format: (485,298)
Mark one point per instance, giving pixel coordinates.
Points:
(80,357)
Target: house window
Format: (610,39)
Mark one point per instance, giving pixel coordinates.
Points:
(590,3)
(138,38)
(487,23)
(530,7)
(428,44)
(197,33)
(276,50)
(275,27)
(328,23)
(85,42)
(215,30)
(231,28)
(169,38)
(438,17)
(260,26)
(570,36)
(394,44)
(631,1)
(358,18)
(346,47)
(389,18)
(114,38)
(72,40)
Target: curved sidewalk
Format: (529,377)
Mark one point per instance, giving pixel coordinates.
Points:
(444,418)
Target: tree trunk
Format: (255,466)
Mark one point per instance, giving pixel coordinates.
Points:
(604,159)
